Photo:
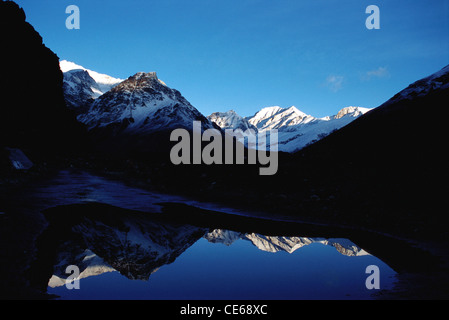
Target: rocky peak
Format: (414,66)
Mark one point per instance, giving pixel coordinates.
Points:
(141,105)
(352,111)
(142,81)
(278,118)
(149,75)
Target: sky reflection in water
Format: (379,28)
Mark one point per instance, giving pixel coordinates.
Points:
(209,270)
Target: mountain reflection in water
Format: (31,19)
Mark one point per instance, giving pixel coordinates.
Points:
(177,248)
(101,239)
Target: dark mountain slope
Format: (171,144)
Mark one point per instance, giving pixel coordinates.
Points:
(387,168)
(33,112)
(384,171)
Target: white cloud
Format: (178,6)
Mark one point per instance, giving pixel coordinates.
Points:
(380,72)
(334,82)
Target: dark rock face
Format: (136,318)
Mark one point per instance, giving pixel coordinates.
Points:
(390,175)
(33,112)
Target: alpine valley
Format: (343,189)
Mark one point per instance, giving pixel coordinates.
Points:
(144,105)
(359,166)
(86,180)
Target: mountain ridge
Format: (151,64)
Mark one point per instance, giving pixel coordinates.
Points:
(86,93)
(295,128)
(106,82)
(142,104)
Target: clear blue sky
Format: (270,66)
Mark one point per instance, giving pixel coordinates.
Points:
(247,54)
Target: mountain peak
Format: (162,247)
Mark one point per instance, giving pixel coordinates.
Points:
(351,111)
(276,117)
(104,81)
(271,111)
(142,105)
(296,129)
(149,75)
(295,110)
(142,80)
(230,120)
(82,86)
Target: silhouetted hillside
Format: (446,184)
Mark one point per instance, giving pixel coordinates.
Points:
(388,167)
(33,112)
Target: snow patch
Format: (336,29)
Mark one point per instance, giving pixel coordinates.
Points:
(104,81)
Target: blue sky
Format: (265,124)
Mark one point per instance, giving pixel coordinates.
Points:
(248,54)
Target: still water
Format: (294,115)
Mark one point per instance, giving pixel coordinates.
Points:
(122,252)
(239,271)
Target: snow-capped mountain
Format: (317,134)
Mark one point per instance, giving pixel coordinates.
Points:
(143,104)
(104,82)
(278,118)
(80,90)
(295,128)
(82,86)
(140,105)
(351,111)
(231,120)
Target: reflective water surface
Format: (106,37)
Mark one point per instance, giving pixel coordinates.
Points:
(127,247)
(221,264)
